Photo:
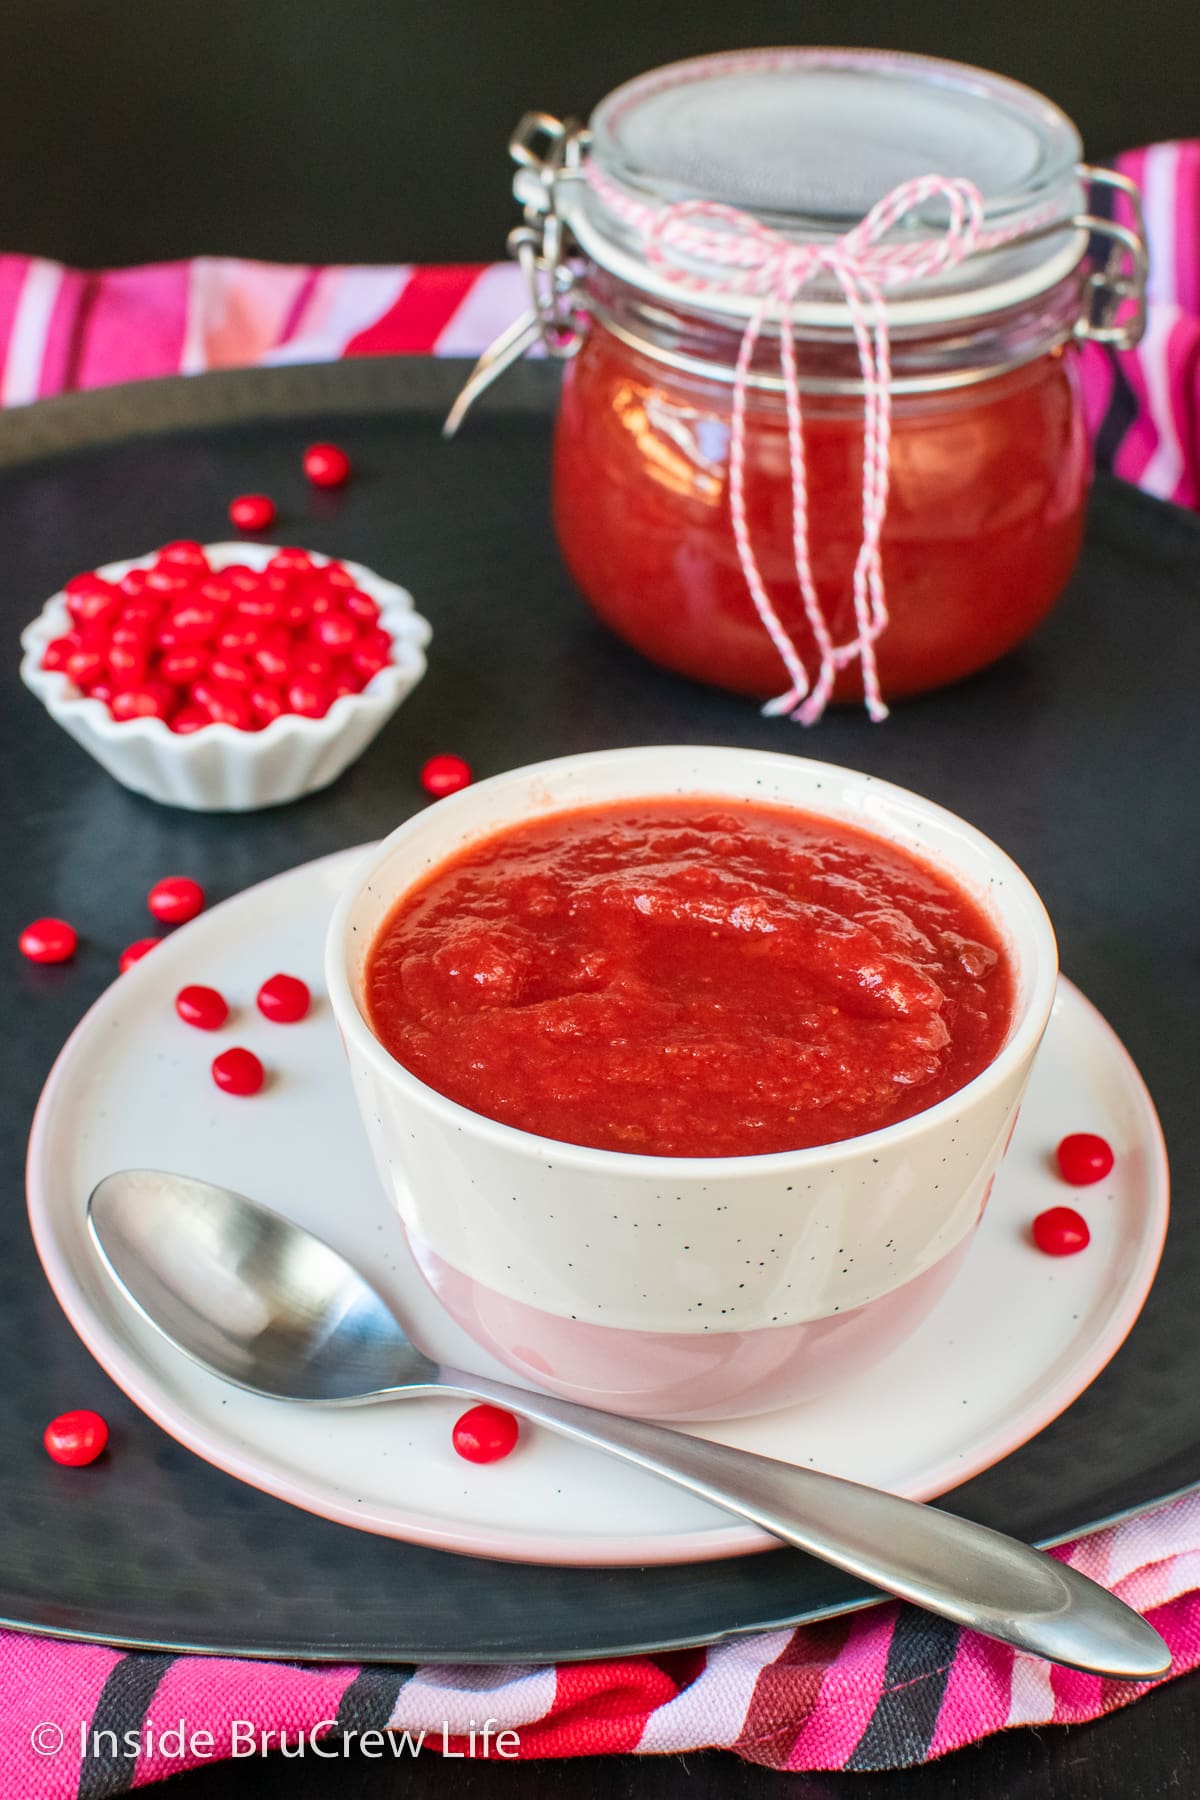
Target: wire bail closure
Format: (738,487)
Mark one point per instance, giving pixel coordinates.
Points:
(540,245)
(547,152)
(1123,275)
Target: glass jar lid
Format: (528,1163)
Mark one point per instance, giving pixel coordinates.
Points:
(806,142)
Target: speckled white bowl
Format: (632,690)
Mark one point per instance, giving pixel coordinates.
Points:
(688,1287)
(221,769)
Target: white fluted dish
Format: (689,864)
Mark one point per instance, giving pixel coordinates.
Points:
(222,769)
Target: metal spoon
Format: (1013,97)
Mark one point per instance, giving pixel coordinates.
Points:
(268,1306)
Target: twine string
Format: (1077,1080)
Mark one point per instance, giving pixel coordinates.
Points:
(690,239)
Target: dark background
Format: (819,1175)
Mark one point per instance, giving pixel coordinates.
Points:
(375,130)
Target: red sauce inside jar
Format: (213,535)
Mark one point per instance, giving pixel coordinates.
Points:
(985,516)
(695,977)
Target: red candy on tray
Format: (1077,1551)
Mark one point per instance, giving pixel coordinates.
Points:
(326,465)
(134,952)
(445,774)
(75,1439)
(194,646)
(48,941)
(175,899)
(252,512)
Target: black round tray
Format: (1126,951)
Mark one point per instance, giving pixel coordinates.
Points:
(1078,754)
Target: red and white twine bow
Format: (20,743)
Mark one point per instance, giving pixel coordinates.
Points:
(754,259)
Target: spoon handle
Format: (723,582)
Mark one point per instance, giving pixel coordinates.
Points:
(966,1572)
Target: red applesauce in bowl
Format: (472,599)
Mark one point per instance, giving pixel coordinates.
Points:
(690,978)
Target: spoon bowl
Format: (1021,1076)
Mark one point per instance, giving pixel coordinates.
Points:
(247,1294)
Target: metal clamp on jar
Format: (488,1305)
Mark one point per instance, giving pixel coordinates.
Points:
(819,311)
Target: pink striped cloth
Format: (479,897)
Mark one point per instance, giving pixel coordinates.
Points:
(885,1688)
(880,1689)
(1144,406)
(64,329)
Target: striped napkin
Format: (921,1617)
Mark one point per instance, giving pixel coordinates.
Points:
(879,1689)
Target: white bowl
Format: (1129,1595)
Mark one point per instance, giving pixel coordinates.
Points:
(222,769)
(688,1287)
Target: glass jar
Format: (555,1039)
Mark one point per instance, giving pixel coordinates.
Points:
(728,323)
(988,489)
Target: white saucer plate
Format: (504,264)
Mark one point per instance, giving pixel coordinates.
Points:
(1015,1339)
